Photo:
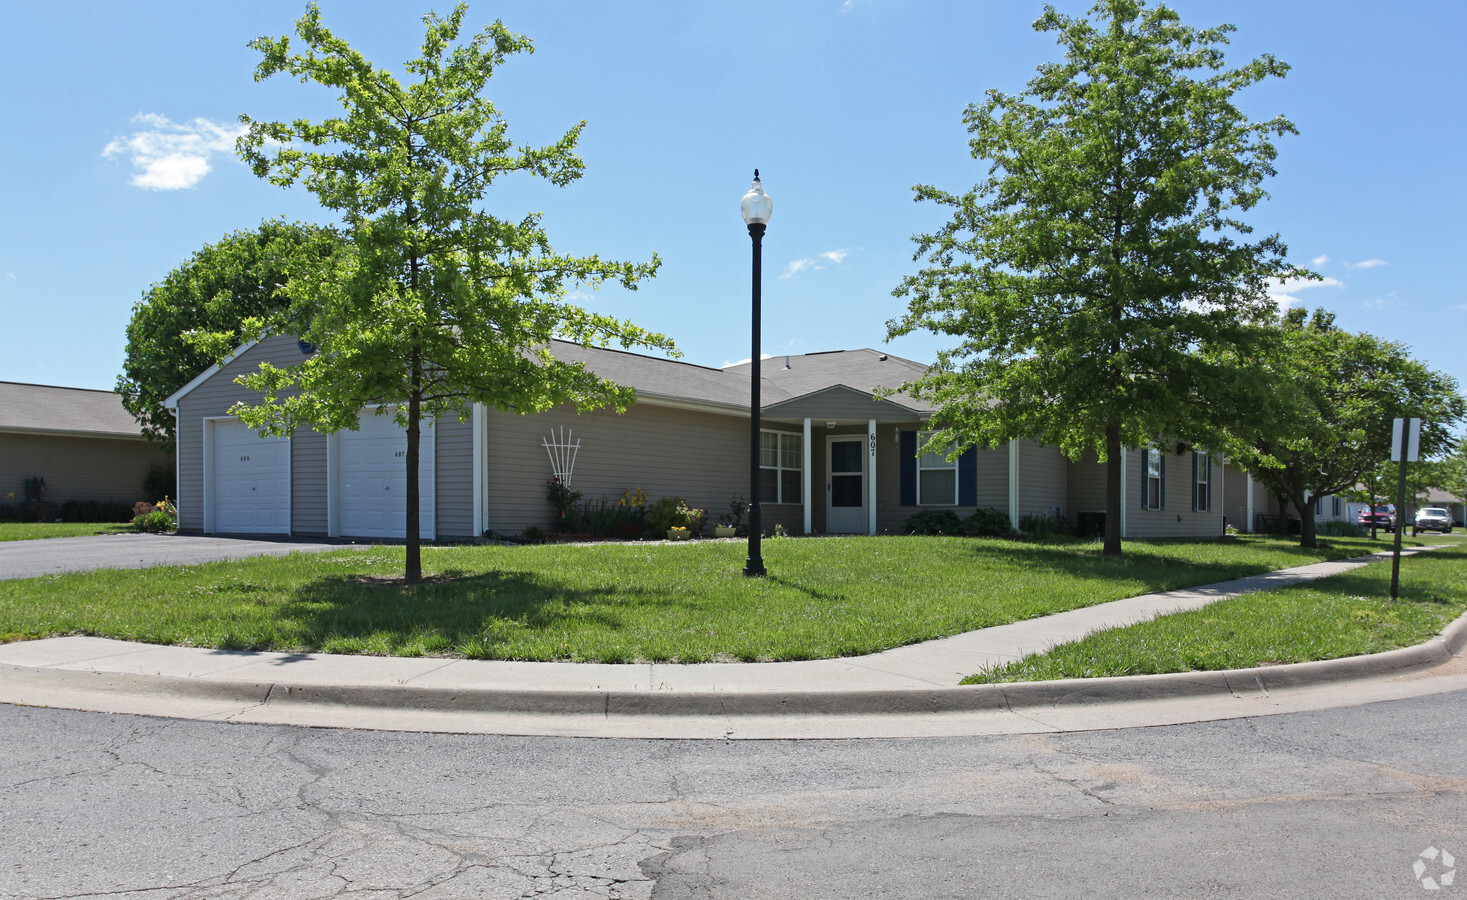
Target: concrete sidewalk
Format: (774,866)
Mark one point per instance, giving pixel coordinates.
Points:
(920,679)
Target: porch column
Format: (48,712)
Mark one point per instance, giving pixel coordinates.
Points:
(1249,527)
(1014,483)
(871,477)
(481,469)
(805,478)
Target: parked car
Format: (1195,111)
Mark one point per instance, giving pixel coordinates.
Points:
(1379,516)
(1432,518)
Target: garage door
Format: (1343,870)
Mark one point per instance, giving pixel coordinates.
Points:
(370,493)
(250,481)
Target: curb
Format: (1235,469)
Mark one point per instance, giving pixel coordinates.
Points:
(1261,680)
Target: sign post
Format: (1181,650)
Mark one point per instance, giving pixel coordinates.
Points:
(1405,447)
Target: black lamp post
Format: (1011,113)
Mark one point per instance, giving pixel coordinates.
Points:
(756,207)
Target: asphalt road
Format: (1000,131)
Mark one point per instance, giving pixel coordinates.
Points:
(32,559)
(1338,803)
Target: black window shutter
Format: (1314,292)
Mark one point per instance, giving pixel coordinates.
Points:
(1162,492)
(1145,476)
(1197,499)
(968,477)
(1207,500)
(908,461)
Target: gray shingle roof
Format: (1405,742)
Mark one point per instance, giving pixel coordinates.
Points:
(41,408)
(781,378)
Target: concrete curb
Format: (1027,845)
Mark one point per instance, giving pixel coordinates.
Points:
(616,703)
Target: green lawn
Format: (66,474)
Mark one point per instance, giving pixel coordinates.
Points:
(1342,616)
(31,531)
(627,602)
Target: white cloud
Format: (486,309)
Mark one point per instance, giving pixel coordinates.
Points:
(1282,292)
(815,263)
(1367,264)
(847,6)
(1319,260)
(1383,302)
(172,155)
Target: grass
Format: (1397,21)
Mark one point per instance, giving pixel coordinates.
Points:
(1345,615)
(31,531)
(627,602)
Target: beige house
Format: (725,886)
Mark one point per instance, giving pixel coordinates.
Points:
(82,443)
(835,458)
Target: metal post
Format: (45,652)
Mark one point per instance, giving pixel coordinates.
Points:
(754,565)
(1400,510)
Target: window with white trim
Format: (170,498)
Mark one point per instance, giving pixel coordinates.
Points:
(1202,497)
(781,464)
(937,476)
(1153,479)
(1334,506)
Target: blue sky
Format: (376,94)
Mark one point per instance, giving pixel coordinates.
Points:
(117,154)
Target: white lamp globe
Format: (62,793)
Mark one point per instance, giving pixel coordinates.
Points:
(756,205)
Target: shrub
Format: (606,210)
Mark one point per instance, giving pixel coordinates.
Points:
(672,512)
(533,534)
(98,511)
(934,521)
(1341,528)
(987,522)
(158,518)
(600,518)
(564,500)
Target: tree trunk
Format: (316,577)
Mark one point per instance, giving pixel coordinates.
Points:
(414,568)
(1307,533)
(1113,475)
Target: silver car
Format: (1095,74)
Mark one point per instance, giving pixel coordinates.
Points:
(1433,518)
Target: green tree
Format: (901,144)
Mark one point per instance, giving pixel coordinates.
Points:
(1323,420)
(1103,248)
(433,304)
(203,309)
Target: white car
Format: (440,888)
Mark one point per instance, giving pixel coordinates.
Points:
(1432,518)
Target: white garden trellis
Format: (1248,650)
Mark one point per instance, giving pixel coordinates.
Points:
(562,453)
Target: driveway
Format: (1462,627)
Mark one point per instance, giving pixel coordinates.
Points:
(30,559)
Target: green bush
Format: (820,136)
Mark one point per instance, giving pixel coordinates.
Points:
(1341,528)
(933,521)
(155,519)
(987,522)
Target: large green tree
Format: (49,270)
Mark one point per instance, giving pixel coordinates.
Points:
(1322,422)
(1103,247)
(204,308)
(434,304)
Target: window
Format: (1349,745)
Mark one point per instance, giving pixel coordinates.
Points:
(1202,497)
(1334,506)
(781,464)
(1151,488)
(1319,506)
(937,478)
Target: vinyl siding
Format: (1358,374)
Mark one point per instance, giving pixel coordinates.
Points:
(1176,519)
(454,478)
(1235,497)
(700,457)
(308,482)
(1043,480)
(839,403)
(79,468)
(1085,479)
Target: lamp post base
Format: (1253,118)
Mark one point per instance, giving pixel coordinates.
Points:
(754,568)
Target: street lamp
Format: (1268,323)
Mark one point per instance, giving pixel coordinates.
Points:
(756,207)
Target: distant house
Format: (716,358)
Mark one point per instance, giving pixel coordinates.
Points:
(1451,503)
(834,458)
(81,442)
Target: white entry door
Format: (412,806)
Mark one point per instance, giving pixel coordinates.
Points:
(369,493)
(845,485)
(249,481)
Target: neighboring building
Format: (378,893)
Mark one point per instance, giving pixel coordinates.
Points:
(834,457)
(1451,503)
(83,443)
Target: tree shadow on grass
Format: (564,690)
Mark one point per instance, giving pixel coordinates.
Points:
(454,610)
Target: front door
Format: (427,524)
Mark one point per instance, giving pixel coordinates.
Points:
(845,485)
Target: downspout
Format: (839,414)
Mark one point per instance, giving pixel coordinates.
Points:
(1125,472)
(1014,483)
(481,470)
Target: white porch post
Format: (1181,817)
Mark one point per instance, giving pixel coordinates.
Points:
(1249,527)
(481,469)
(871,477)
(805,480)
(1014,483)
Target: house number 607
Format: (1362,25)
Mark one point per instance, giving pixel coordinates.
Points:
(872,440)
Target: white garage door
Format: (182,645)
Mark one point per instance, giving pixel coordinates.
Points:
(370,493)
(250,481)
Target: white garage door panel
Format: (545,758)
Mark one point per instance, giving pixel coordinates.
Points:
(371,480)
(250,481)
